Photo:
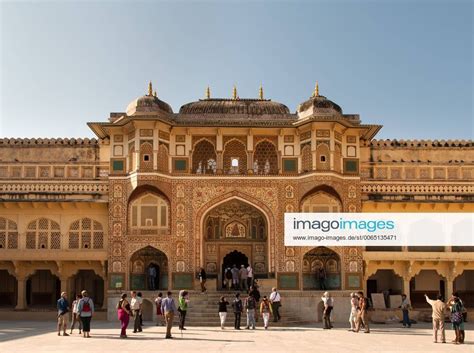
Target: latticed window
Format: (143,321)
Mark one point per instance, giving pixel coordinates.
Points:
(265,158)
(86,233)
(306,158)
(8,234)
(322,156)
(149,212)
(204,158)
(163,158)
(146,156)
(43,233)
(235,158)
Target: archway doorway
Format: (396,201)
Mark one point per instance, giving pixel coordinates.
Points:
(90,281)
(321,269)
(149,269)
(43,289)
(8,289)
(426,282)
(386,282)
(464,285)
(233,227)
(233,258)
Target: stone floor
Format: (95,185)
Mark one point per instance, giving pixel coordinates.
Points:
(37,337)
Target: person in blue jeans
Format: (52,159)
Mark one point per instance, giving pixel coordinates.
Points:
(405,306)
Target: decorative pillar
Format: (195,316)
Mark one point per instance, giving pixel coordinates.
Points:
(449,287)
(21,292)
(406,286)
(64,283)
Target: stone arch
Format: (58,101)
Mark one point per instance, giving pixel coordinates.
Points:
(325,191)
(235,148)
(140,263)
(43,288)
(322,269)
(257,203)
(265,157)
(204,152)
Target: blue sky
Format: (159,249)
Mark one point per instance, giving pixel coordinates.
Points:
(407,65)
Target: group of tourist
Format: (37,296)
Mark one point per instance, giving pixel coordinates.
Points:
(238,279)
(83,310)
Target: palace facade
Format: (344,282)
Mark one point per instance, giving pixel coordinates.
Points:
(208,187)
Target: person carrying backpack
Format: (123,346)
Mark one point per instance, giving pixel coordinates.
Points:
(250,305)
(85,310)
(238,308)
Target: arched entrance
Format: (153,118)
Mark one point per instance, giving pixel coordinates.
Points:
(385,282)
(90,281)
(148,269)
(8,289)
(43,289)
(321,269)
(235,232)
(426,282)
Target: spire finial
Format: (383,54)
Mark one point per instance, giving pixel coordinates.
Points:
(234,93)
(208,93)
(260,92)
(316,90)
(150,89)
(154,94)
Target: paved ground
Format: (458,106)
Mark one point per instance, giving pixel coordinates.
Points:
(37,337)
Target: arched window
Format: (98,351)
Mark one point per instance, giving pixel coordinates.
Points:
(265,158)
(163,158)
(321,202)
(149,212)
(322,156)
(204,158)
(235,157)
(146,156)
(8,234)
(86,233)
(43,233)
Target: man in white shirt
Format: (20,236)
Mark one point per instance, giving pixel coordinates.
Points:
(275,300)
(136,306)
(249,276)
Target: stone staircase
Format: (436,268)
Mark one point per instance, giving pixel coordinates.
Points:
(203,311)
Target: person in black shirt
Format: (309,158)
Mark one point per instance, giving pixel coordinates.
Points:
(238,308)
(202,279)
(254,292)
(223,310)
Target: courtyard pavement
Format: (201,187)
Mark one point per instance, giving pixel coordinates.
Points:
(37,337)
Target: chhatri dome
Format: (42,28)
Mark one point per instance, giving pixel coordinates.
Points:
(148,104)
(319,105)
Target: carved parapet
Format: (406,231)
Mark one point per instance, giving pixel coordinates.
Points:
(419,188)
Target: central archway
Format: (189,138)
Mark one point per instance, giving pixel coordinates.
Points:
(235,231)
(148,269)
(321,269)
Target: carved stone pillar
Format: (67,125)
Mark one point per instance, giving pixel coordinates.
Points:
(406,286)
(21,293)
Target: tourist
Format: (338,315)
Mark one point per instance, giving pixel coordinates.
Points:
(362,318)
(123,313)
(322,278)
(160,318)
(256,294)
(152,277)
(265,311)
(140,296)
(328,306)
(250,306)
(405,306)
(85,310)
(439,307)
(353,314)
(75,316)
(136,305)
(238,308)
(168,308)
(249,276)
(228,278)
(275,300)
(243,275)
(464,318)
(63,309)
(223,310)
(235,277)
(202,280)
(456,308)
(183,301)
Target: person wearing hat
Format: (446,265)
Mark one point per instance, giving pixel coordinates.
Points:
(328,305)
(63,309)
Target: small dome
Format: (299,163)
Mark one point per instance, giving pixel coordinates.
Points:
(237,106)
(320,106)
(148,105)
